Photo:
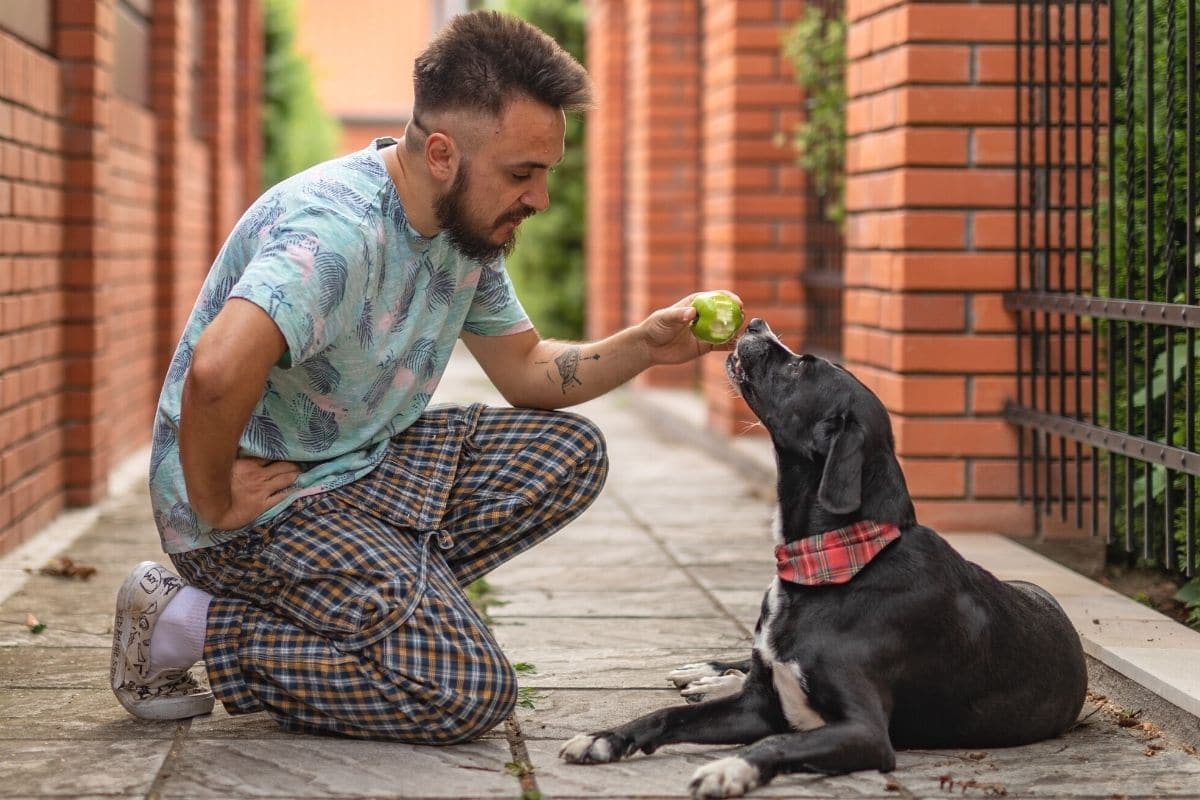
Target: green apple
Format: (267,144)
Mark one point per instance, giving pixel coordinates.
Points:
(718,319)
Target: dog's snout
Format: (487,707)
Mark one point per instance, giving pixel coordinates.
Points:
(757,326)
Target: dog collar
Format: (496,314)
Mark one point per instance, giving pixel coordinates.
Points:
(833,556)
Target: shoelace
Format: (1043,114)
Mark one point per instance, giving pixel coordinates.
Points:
(168,682)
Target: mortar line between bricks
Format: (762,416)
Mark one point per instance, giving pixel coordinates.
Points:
(649,531)
(168,764)
(520,756)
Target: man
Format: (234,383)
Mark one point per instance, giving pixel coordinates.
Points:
(323,521)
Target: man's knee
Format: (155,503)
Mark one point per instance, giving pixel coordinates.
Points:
(485,699)
(591,446)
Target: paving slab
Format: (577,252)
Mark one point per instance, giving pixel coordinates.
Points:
(32,666)
(684,602)
(313,767)
(667,772)
(93,715)
(70,768)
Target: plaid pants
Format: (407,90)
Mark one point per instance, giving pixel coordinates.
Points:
(346,614)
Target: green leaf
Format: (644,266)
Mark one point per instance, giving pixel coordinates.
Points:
(1189,593)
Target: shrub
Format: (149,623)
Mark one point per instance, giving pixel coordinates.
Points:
(816,46)
(547,267)
(297,132)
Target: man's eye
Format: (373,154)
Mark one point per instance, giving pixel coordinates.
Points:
(520,177)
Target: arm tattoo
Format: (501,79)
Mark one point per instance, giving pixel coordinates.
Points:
(568,366)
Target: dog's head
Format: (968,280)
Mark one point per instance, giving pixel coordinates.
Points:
(825,421)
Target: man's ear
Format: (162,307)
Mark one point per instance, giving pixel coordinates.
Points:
(840,491)
(441,156)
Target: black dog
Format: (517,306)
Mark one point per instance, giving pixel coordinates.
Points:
(876,634)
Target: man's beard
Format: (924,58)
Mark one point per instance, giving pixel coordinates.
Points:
(465,237)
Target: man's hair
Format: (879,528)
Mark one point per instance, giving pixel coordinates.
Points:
(483,60)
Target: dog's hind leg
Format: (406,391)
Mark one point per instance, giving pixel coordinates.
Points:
(715,687)
(746,717)
(690,673)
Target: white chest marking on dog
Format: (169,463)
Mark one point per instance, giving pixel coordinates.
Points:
(787,676)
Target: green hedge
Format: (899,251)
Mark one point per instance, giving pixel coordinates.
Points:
(297,132)
(1127,262)
(547,267)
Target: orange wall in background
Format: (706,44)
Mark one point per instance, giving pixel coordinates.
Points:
(362,53)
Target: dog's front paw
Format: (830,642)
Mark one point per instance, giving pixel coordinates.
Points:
(690,673)
(591,748)
(726,777)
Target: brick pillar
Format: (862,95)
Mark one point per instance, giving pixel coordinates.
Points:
(605,144)
(662,187)
(929,249)
(219,110)
(248,141)
(753,193)
(83,41)
(170,92)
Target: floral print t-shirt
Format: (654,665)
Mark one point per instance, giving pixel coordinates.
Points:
(370,310)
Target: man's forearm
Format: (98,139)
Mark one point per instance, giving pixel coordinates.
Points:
(224,383)
(574,372)
(210,426)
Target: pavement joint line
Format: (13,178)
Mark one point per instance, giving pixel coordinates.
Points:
(649,531)
(167,767)
(520,756)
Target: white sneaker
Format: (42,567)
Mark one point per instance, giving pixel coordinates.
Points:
(167,693)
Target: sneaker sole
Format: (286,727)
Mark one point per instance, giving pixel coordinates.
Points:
(156,708)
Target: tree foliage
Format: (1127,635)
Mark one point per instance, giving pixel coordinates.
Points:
(547,267)
(297,132)
(816,46)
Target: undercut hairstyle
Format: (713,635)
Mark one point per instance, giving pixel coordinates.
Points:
(483,60)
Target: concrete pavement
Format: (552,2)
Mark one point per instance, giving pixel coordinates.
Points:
(667,567)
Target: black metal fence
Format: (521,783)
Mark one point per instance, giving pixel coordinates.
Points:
(1106,270)
(822,278)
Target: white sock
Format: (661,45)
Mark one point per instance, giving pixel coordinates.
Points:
(178,637)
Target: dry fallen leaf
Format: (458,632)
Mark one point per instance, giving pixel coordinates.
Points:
(67,567)
(1129,719)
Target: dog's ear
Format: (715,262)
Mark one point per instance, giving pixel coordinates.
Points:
(841,481)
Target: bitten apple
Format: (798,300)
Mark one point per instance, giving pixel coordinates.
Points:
(718,317)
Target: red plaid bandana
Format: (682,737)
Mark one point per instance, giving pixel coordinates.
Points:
(834,556)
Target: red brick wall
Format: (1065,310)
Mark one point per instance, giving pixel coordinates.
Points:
(929,239)
(754,201)
(606,143)
(929,246)
(91,233)
(31,295)
(663,149)
(131,353)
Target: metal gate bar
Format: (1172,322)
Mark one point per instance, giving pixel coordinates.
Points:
(1106,280)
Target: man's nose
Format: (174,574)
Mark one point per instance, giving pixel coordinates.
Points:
(537,196)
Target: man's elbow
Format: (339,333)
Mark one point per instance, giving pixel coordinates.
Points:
(523,397)
(208,379)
